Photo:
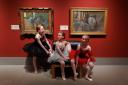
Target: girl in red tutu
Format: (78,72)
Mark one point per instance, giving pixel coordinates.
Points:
(85,58)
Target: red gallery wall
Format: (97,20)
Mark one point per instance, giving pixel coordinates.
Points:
(115,44)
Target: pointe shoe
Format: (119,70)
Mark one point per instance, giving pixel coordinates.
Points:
(35,71)
(75,76)
(89,79)
(63,77)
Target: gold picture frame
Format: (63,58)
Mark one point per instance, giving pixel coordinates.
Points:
(31,17)
(90,21)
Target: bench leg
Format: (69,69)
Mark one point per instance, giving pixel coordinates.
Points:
(53,71)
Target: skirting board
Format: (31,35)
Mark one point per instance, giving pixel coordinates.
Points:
(99,61)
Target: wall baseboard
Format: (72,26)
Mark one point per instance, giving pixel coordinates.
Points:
(99,61)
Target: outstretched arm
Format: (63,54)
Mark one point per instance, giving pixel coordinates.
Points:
(39,42)
(48,44)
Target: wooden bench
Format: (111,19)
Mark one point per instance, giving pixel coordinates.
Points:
(68,67)
(56,72)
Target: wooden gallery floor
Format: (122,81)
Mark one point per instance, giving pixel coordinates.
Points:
(103,75)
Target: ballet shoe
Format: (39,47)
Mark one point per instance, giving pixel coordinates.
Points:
(75,76)
(36,72)
(63,77)
(89,79)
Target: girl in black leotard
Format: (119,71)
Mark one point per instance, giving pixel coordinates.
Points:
(40,49)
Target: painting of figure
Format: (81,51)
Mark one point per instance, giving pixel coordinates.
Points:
(87,21)
(30,18)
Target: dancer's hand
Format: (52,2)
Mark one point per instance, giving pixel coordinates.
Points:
(66,58)
(48,52)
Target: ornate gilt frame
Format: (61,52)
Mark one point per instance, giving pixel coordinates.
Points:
(31,17)
(90,21)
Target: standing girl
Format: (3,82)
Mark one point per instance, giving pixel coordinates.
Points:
(40,49)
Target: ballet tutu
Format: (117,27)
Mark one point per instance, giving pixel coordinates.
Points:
(82,61)
(72,54)
(35,49)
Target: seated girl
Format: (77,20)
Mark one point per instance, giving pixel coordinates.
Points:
(85,58)
(61,53)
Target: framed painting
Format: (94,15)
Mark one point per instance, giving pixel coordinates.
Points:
(88,21)
(31,17)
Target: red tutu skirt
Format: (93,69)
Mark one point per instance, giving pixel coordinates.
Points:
(82,61)
(72,54)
